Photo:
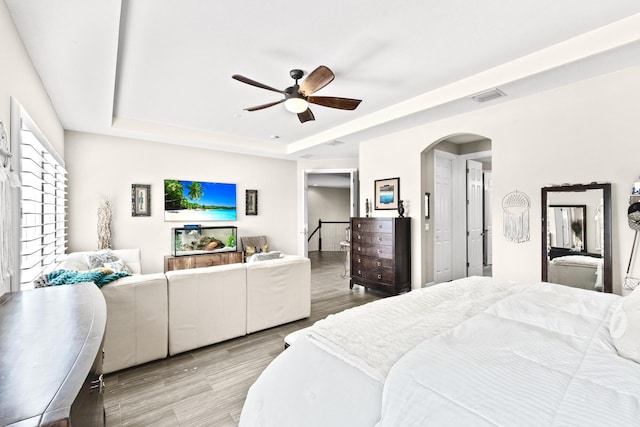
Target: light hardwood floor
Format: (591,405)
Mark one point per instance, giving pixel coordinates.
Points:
(208,386)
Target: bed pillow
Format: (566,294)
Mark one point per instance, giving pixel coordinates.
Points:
(625,326)
(97,259)
(117,266)
(249,250)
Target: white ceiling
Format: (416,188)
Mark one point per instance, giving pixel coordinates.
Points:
(161,69)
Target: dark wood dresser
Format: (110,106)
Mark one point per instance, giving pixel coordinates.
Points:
(51,356)
(381,254)
(203,260)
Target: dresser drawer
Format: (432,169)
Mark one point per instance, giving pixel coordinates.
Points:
(372,251)
(385,239)
(372,225)
(383,275)
(208,260)
(370,263)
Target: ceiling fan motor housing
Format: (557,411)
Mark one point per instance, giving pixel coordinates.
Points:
(296,74)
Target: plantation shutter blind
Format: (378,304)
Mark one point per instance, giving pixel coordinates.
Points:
(43,208)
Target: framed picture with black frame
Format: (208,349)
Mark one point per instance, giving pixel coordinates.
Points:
(386,193)
(251,202)
(140,200)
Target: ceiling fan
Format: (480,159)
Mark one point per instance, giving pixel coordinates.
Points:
(298,97)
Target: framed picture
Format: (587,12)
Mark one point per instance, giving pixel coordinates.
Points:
(387,193)
(251,202)
(426,205)
(140,200)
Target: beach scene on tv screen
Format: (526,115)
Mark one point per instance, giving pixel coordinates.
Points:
(199,201)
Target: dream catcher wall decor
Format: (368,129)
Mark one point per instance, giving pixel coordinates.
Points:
(515,217)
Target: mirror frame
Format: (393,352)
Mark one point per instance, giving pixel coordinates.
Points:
(606,198)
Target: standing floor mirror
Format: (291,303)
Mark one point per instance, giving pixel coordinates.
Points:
(576,236)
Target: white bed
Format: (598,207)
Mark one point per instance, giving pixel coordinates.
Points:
(476,351)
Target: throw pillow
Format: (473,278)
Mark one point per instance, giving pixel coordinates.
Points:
(97,259)
(249,250)
(264,256)
(117,266)
(624,326)
(265,247)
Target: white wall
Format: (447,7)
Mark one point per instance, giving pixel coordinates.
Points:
(107,166)
(18,79)
(328,204)
(587,131)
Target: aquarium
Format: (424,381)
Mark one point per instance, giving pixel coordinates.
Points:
(203,240)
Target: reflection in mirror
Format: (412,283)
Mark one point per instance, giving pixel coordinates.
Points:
(567,226)
(576,236)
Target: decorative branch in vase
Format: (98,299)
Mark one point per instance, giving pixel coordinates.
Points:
(104,224)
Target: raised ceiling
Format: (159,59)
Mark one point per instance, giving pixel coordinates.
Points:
(161,70)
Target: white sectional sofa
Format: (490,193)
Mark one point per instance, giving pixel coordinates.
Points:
(152,315)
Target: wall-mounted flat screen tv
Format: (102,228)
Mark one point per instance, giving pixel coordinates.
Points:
(199,201)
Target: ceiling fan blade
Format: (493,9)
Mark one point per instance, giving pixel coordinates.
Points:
(335,102)
(306,115)
(319,78)
(248,81)
(260,107)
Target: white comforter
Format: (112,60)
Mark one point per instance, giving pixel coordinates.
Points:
(471,352)
(374,336)
(543,357)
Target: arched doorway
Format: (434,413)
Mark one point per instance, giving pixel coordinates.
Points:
(458,230)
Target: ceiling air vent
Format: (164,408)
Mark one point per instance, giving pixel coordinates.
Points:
(488,95)
(334,143)
(307,156)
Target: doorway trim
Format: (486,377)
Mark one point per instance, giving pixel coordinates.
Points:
(354,200)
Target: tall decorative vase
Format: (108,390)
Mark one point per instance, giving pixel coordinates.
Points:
(401,208)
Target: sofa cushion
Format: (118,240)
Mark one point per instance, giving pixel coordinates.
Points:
(278,291)
(206,305)
(137,320)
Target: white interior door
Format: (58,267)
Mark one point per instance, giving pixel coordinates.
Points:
(475,241)
(443,216)
(488,220)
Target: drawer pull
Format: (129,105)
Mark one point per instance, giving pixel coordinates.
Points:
(379,251)
(359,237)
(359,261)
(379,276)
(359,225)
(379,239)
(359,272)
(379,264)
(359,249)
(380,226)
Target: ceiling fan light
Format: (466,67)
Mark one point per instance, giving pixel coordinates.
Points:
(296,105)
